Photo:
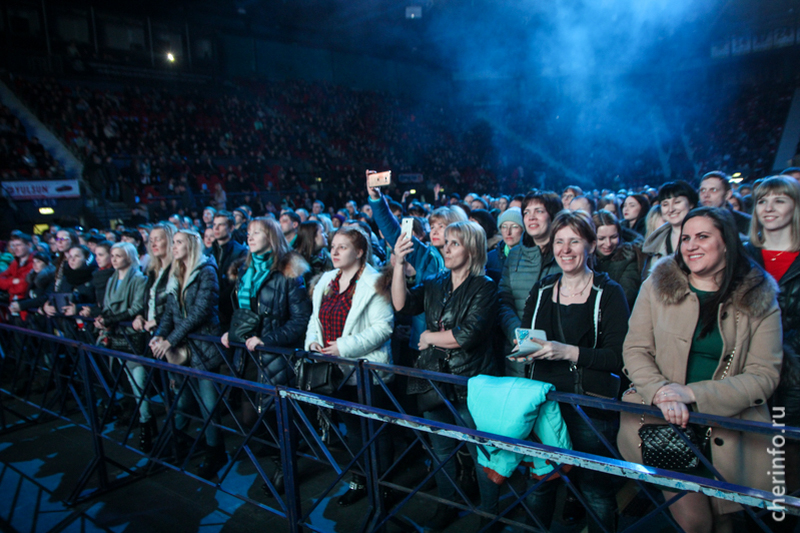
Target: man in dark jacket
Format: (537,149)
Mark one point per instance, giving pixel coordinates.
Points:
(715,191)
(226,251)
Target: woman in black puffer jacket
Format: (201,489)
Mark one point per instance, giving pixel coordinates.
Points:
(159,248)
(459,306)
(269,282)
(620,260)
(193,308)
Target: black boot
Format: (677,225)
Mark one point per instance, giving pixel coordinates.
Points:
(215,459)
(147,430)
(442,518)
(357,490)
(277,481)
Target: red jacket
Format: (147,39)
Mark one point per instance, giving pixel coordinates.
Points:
(14,279)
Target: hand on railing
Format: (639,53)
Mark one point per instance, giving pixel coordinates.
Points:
(159,347)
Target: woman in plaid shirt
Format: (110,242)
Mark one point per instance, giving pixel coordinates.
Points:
(353,318)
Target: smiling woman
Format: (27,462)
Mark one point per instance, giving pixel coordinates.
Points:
(676,199)
(705,336)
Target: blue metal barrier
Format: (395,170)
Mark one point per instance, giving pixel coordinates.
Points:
(82,376)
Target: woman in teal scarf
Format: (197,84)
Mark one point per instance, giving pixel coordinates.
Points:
(270,284)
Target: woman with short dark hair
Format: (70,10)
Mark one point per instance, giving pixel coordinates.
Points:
(584,315)
(676,199)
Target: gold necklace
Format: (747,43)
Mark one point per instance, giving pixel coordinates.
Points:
(568,295)
(775,257)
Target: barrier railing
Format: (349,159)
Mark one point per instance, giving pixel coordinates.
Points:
(47,375)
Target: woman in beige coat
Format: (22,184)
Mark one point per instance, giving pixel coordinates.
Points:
(705,335)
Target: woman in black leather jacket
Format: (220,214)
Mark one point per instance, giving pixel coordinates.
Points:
(459,306)
(193,308)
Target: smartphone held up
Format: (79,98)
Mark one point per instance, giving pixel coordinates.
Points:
(379,179)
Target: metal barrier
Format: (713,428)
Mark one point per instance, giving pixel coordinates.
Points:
(48,375)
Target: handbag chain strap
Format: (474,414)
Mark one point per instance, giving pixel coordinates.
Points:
(724,375)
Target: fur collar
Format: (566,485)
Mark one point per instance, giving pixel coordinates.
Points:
(755,296)
(292,266)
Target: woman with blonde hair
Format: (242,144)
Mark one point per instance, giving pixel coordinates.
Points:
(123,300)
(459,305)
(192,307)
(159,247)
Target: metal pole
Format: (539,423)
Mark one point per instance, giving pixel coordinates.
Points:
(46,31)
(188,46)
(152,52)
(94,30)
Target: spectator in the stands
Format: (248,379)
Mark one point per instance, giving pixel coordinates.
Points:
(792,172)
(289,223)
(241,218)
(40,280)
(191,308)
(135,238)
(634,213)
(715,191)
(526,264)
(352,318)
(226,252)
(618,259)
(583,203)
(318,207)
(208,217)
(676,199)
(312,245)
(208,239)
(570,192)
(459,307)
(511,229)
(13,279)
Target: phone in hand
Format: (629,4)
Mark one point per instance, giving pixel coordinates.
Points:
(407,227)
(379,179)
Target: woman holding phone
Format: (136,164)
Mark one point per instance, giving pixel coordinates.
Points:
(459,306)
(584,315)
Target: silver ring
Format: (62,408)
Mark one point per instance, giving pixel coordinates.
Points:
(670,409)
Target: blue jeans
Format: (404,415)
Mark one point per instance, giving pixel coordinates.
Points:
(444,446)
(599,490)
(200,392)
(137,376)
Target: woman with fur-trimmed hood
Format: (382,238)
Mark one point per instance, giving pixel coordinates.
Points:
(705,336)
(269,282)
(193,308)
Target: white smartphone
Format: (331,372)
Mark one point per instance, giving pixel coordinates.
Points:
(407,227)
(526,345)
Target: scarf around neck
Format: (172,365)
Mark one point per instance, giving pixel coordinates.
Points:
(255,275)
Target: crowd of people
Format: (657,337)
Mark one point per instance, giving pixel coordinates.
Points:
(684,298)
(22,157)
(310,138)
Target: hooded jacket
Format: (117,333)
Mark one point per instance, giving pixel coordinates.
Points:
(524,266)
(13,279)
(515,407)
(194,309)
(284,308)
(622,266)
(656,353)
(368,328)
(40,286)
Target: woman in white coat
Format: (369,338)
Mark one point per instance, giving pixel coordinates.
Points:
(353,318)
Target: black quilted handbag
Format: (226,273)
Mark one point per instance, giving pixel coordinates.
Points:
(243,325)
(662,447)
